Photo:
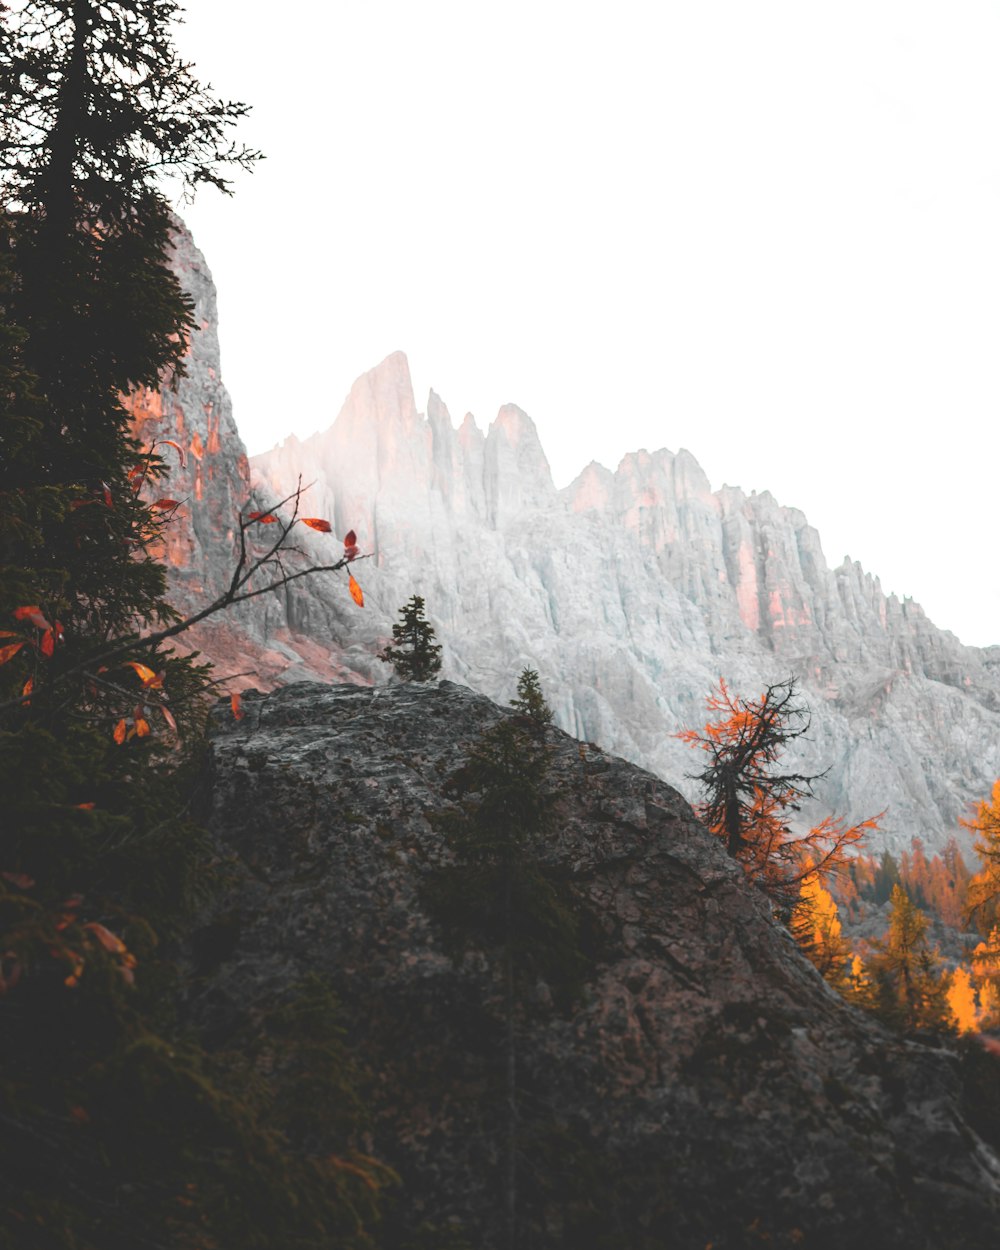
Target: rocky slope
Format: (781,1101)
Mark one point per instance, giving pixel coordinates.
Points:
(707,1089)
(631,592)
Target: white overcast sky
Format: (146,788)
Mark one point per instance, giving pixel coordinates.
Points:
(767,232)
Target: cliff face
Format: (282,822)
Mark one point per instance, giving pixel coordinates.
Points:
(630,592)
(707,1088)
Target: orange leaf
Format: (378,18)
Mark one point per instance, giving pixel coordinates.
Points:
(355,589)
(169,718)
(265,518)
(8,652)
(164,505)
(26,690)
(145,675)
(106,495)
(33,613)
(85,807)
(317,523)
(106,938)
(197,447)
(48,643)
(142,727)
(8,633)
(236,703)
(169,442)
(121,729)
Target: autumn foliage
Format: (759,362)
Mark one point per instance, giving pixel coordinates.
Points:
(750,801)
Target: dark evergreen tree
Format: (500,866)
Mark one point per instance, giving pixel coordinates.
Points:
(414,654)
(502,896)
(118,1132)
(530,701)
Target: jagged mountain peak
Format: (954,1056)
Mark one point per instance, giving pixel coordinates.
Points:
(631,592)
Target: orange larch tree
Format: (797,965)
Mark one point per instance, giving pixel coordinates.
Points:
(749,801)
(984,888)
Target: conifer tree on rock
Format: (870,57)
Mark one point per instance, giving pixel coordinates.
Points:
(530,701)
(749,801)
(414,654)
(500,897)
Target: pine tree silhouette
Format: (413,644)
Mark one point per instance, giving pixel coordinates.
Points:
(415,656)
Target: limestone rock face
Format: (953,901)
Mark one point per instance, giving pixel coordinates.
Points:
(631,592)
(708,1088)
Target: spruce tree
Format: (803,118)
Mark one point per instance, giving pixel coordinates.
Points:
(119,1131)
(530,701)
(414,654)
(501,896)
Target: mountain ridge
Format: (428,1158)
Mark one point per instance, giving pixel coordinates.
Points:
(630,591)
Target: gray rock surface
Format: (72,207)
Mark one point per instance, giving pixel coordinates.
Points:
(630,592)
(708,1089)
(633,592)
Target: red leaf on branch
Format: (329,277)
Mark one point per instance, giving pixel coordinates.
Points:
(33,613)
(317,523)
(169,442)
(168,716)
(8,652)
(165,505)
(350,545)
(26,690)
(265,518)
(48,643)
(356,592)
(236,703)
(121,729)
(84,807)
(142,729)
(106,495)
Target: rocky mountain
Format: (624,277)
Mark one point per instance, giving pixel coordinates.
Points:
(706,1088)
(631,592)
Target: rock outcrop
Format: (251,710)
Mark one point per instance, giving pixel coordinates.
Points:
(630,592)
(707,1089)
